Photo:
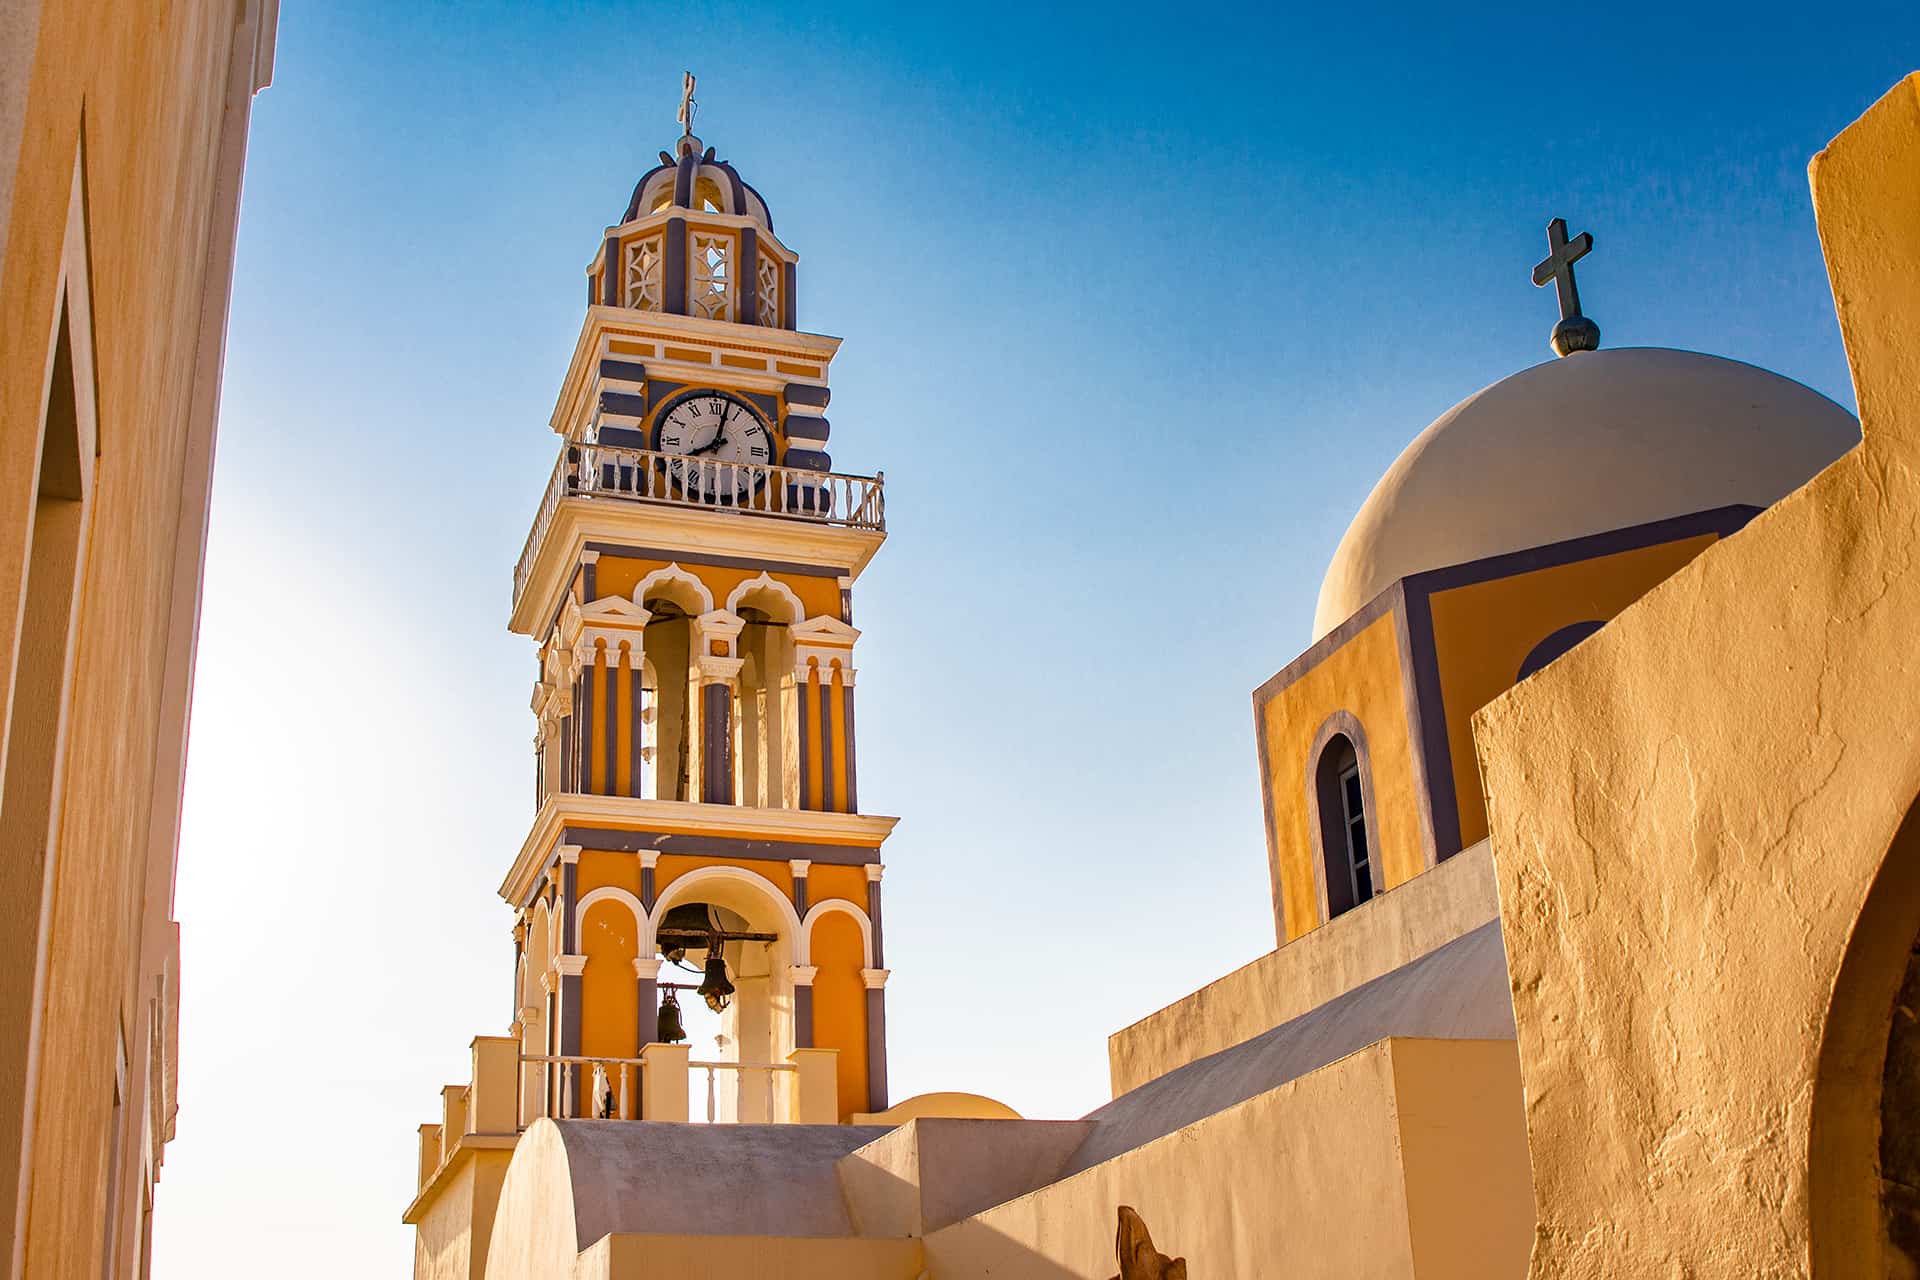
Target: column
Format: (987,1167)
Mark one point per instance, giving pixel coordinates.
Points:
(846,739)
(800,867)
(570,965)
(802,975)
(649,859)
(876,980)
(636,718)
(806,701)
(586,657)
(647,1008)
(716,675)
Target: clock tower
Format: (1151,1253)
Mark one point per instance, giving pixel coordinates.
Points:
(688,587)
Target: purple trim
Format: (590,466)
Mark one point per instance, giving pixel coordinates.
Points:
(636,728)
(624,403)
(846,605)
(1433,780)
(737,189)
(639,189)
(716,748)
(876,1050)
(647,1005)
(806,429)
(684,174)
(566,753)
(1557,645)
(623,370)
(826,743)
(807,394)
(806,742)
(611,786)
(589,590)
(800,896)
(763,203)
(585,707)
(873,918)
(569,889)
(853,791)
(806,460)
(646,888)
(747,283)
(673,272)
(570,1032)
(609,274)
(803,1017)
(789,302)
(722,562)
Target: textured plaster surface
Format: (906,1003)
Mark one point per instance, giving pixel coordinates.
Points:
(1396,927)
(1349,1171)
(1458,991)
(930,1173)
(1694,820)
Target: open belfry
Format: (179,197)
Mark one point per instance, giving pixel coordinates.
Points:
(1590,816)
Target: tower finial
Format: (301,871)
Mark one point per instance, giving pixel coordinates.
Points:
(1574,332)
(687,105)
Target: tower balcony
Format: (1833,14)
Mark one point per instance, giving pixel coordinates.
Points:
(621,493)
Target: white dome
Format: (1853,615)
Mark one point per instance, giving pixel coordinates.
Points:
(1597,441)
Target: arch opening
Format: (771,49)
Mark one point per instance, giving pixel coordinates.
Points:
(1340,785)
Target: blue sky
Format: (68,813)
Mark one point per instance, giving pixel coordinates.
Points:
(1136,310)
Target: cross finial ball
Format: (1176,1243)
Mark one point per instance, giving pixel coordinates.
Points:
(1575,332)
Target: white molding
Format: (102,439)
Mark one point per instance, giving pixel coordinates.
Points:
(876,979)
(649,858)
(645,969)
(846,675)
(528,1012)
(829,906)
(874,871)
(569,854)
(570,966)
(589,557)
(715,669)
(673,573)
(765,583)
(825,629)
(802,974)
(609,893)
(683,888)
(799,867)
(858,831)
(549,982)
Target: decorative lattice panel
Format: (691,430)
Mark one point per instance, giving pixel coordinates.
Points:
(712,291)
(768,291)
(644,259)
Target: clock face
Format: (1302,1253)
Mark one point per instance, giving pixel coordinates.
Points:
(724,444)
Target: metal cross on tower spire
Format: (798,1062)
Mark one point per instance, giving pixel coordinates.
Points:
(687,105)
(1574,332)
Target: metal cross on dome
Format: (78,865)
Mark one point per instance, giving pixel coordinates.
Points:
(687,105)
(1575,332)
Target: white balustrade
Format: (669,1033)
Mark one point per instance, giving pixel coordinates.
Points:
(617,473)
(608,1086)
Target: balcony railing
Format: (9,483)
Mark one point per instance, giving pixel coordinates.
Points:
(619,474)
(654,1086)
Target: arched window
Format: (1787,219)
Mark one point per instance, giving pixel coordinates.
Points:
(1555,645)
(1341,790)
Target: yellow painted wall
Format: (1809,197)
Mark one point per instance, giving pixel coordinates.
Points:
(452,1234)
(1484,631)
(1695,821)
(674,865)
(619,575)
(609,1012)
(1361,677)
(840,1004)
(829,880)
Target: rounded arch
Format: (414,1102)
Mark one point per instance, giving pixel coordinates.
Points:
(610,893)
(671,582)
(1848,1224)
(1340,742)
(763,591)
(683,889)
(828,905)
(1555,645)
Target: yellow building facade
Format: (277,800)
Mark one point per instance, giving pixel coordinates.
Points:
(123,136)
(1588,817)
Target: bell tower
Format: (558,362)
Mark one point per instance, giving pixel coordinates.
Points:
(688,585)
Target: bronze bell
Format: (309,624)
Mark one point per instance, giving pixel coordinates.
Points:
(667,1028)
(714,987)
